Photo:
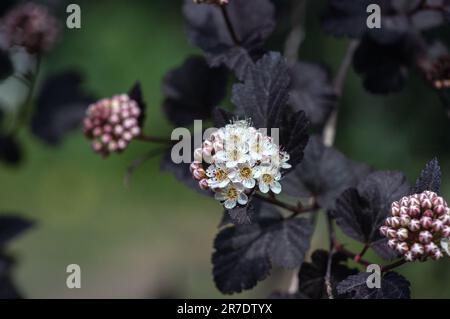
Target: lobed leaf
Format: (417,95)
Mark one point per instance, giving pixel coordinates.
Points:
(393,286)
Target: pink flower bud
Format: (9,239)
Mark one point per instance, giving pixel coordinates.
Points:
(402,248)
(402,234)
(445,219)
(425,237)
(414,201)
(413,211)
(383,230)
(203,184)
(392,243)
(388,221)
(404,201)
(391,233)
(446,231)
(436,254)
(440,210)
(417,249)
(395,209)
(438,201)
(409,256)
(438,225)
(429,248)
(395,222)
(194,166)
(414,225)
(428,213)
(405,220)
(426,222)
(426,203)
(199,174)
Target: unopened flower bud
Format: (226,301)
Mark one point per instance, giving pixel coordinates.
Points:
(425,237)
(426,222)
(437,225)
(199,174)
(409,256)
(392,243)
(383,230)
(405,220)
(402,234)
(391,233)
(413,211)
(426,204)
(402,247)
(440,210)
(446,231)
(428,213)
(414,225)
(429,248)
(417,249)
(203,184)
(437,254)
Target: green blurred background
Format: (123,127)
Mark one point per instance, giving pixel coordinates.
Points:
(154,238)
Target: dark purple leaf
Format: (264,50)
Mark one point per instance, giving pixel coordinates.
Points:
(430,178)
(312,92)
(252,21)
(192,91)
(264,94)
(136,95)
(360,211)
(60,107)
(393,286)
(324,173)
(11,227)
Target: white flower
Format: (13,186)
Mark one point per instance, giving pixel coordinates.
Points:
(231,195)
(445,244)
(232,156)
(268,178)
(244,175)
(219,175)
(261,147)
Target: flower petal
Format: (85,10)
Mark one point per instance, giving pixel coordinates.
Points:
(249,183)
(242,199)
(264,188)
(230,203)
(275,187)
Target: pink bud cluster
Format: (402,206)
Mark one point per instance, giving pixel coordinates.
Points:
(112,123)
(218,2)
(417,225)
(196,168)
(30,26)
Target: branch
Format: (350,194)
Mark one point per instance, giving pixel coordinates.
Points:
(297,35)
(329,131)
(393,265)
(340,248)
(294,209)
(153,139)
(358,257)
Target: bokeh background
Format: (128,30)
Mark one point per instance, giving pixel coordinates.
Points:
(154,238)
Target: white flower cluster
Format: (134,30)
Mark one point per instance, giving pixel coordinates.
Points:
(238,158)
